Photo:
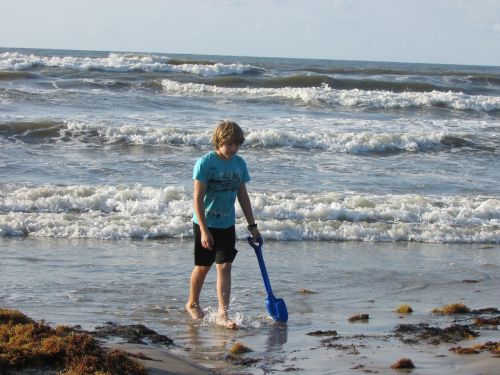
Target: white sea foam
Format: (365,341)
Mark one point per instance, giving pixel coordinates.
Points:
(116,62)
(116,212)
(138,135)
(349,142)
(347,98)
(320,139)
(109,212)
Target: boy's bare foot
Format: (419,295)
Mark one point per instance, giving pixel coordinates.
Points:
(195,311)
(223,321)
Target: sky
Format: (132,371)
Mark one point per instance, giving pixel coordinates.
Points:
(429,31)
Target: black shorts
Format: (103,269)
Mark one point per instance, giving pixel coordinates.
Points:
(223,247)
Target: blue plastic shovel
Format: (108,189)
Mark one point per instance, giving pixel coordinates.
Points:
(275,306)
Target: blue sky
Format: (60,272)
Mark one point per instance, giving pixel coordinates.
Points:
(435,31)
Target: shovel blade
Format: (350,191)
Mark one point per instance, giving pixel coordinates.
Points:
(276,307)
(271,306)
(281,311)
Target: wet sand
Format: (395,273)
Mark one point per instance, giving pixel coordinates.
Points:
(161,362)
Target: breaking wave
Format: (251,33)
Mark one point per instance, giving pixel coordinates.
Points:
(362,142)
(325,95)
(349,84)
(117,212)
(116,62)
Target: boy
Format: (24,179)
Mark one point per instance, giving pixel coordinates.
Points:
(219,178)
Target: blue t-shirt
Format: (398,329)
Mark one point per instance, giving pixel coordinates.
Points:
(223,179)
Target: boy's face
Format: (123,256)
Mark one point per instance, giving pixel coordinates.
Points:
(228,149)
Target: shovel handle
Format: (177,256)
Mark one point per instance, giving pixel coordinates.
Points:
(262,265)
(260,242)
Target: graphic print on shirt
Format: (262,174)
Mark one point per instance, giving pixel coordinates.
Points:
(221,180)
(223,186)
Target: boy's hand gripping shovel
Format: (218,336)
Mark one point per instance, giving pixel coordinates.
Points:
(275,306)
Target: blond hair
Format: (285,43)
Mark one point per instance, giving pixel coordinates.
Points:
(227,132)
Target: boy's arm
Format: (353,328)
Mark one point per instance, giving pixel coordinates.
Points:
(199,195)
(246,207)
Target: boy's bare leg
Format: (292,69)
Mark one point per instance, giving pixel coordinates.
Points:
(197,279)
(224,294)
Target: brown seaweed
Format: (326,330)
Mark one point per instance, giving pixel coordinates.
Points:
(135,333)
(414,333)
(403,363)
(490,346)
(453,308)
(322,333)
(404,309)
(25,344)
(359,318)
(306,291)
(480,321)
(239,348)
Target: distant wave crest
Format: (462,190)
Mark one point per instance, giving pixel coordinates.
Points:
(302,80)
(116,62)
(117,212)
(325,95)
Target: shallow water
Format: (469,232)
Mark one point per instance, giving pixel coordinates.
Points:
(89,282)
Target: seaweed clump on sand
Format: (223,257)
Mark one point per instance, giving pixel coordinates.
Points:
(480,321)
(453,308)
(359,318)
(235,355)
(322,333)
(404,309)
(134,334)
(415,333)
(239,348)
(487,310)
(27,344)
(490,346)
(305,291)
(403,363)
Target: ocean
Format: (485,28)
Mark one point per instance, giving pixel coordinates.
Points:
(372,183)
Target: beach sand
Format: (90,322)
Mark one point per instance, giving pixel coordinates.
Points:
(161,362)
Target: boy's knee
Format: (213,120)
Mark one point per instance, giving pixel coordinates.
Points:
(224,267)
(202,269)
